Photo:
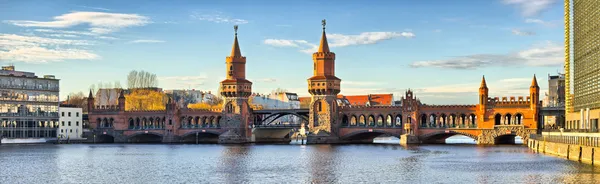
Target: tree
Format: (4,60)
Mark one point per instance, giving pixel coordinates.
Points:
(280,90)
(145,100)
(141,79)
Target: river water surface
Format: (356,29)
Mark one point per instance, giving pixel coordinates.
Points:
(368,163)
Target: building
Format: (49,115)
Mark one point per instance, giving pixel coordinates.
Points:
(275,100)
(71,122)
(28,106)
(585,110)
(555,97)
(184,97)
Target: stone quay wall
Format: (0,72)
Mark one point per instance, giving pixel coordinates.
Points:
(580,149)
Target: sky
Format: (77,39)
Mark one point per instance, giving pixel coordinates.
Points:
(440,49)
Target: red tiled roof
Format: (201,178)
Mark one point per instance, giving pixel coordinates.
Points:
(304,99)
(376,99)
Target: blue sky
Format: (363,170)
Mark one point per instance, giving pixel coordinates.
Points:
(438,48)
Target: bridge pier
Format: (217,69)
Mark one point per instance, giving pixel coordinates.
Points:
(407,139)
(320,139)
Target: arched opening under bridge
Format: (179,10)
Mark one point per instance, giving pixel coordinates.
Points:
(450,137)
(104,138)
(145,138)
(200,137)
(374,136)
(508,139)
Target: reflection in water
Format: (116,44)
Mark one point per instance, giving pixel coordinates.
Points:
(370,163)
(323,164)
(233,163)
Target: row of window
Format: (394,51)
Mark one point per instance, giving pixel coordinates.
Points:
(69,123)
(69,114)
(28,83)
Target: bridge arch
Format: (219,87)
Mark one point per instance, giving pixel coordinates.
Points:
(206,136)
(353,121)
(423,120)
(498,119)
(143,137)
(105,138)
(361,120)
(398,120)
(272,117)
(367,135)
(441,136)
(389,121)
(345,121)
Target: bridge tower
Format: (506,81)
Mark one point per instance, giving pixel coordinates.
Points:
(534,93)
(483,102)
(235,89)
(323,87)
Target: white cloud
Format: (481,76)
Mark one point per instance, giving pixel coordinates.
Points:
(530,7)
(522,33)
(99,22)
(539,21)
(340,40)
(96,8)
(547,54)
(63,35)
(147,41)
(266,80)
(284,43)
(437,31)
(32,49)
(217,18)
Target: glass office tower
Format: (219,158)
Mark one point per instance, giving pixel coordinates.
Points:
(28,105)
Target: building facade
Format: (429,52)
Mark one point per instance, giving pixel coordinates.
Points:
(555,97)
(28,105)
(185,97)
(71,122)
(585,110)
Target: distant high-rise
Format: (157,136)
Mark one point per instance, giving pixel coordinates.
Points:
(585,62)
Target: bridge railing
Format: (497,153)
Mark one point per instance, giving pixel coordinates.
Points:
(575,140)
(278,126)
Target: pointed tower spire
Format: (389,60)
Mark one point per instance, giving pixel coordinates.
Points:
(235,50)
(534,82)
(90,95)
(121,95)
(323,47)
(483,84)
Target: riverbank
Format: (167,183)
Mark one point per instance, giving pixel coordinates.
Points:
(575,148)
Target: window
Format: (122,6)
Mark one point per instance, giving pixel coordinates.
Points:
(71,131)
(63,123)
(69,123)
(69,114)
(170,122)
(77,123)
(61,130)
(63,114)
(77,114)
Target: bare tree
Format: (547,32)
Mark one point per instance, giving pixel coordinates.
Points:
(141,79)
(280,90)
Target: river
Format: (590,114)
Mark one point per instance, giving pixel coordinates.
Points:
(212,163)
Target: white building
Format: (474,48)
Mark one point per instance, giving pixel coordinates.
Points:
(70,122)
(277,100)
(185,97)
